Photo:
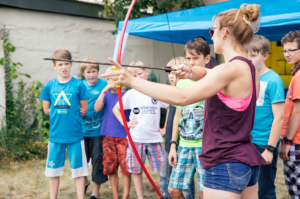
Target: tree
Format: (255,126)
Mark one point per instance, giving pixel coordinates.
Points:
(118,8)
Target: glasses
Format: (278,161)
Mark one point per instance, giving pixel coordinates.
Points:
(289,51)
(212,31)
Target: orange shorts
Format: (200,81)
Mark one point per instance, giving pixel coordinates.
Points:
(114,154)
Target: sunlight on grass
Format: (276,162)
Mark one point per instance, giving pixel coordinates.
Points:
(27,180)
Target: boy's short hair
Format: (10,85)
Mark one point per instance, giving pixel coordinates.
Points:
(199,45)
(258,44)
(176,61)
(135,63)
(291,37)
(61,54)
(84,66)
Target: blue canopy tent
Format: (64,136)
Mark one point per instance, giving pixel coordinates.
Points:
(278,17)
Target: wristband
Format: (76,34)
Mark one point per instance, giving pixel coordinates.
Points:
(191,74)
(287,143)
(285,139)
(165,127)
(104,92)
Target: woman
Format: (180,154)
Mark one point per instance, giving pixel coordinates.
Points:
(229,158)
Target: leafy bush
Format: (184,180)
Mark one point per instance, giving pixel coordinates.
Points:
(21,135)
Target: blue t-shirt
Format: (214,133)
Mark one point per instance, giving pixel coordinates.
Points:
(271,91)
(91,123)
(111,125)
(65,118)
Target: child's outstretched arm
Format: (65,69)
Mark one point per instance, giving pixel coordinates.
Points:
(46,107)
(100,103)
(172,154)
(83,105)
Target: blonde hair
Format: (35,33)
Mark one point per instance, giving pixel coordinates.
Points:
(84,66)
(135,63)
(259,44)
(240,22)
(61,54)
(176,61)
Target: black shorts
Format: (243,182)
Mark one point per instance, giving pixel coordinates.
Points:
(93,149)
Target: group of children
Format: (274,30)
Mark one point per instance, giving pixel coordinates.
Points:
(85,120)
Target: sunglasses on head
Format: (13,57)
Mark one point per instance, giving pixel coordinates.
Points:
(212,31)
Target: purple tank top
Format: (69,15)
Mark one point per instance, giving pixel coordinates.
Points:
(226,133)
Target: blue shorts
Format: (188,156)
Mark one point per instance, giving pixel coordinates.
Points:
(232,176)
(57,155)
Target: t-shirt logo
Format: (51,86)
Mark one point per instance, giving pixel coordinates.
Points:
(95,92)
(154,101)
(95,124)
(62,100)
(191,124)
(136,110)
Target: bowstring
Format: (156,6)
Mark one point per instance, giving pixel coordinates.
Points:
(170,36)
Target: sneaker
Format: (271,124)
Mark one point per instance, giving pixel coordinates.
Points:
(95,197)
(87,185)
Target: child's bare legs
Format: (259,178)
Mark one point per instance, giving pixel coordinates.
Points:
(201,192)
(80,187)
(53,184)
(126,180)
(96,189)
(176,193)
(138,184)
(114,183)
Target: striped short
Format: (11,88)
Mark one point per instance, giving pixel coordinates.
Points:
(155,154)
(57,155)
(292,171)
(187,165)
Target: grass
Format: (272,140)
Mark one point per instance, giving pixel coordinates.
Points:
(27,180)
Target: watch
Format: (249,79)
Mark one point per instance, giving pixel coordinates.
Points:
(173,142)
(271,148)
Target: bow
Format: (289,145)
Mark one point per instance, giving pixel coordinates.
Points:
(121,102)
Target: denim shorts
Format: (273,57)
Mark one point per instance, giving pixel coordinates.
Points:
(232,176)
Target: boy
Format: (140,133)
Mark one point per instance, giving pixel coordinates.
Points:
(290,131)
(146,135)
(166,169)
(91,125)
(114,142)
(189,121)
(269,114)
(62,99)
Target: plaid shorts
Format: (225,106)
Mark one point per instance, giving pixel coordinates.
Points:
(292,171)
(114,154)
(155,154)
(187,165)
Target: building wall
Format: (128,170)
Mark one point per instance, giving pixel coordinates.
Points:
(37,34)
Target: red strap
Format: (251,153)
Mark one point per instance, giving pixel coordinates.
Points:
(287,143)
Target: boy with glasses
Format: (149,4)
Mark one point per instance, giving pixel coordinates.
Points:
(290,131)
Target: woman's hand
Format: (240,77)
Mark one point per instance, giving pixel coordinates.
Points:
(121,76)
(182,71)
